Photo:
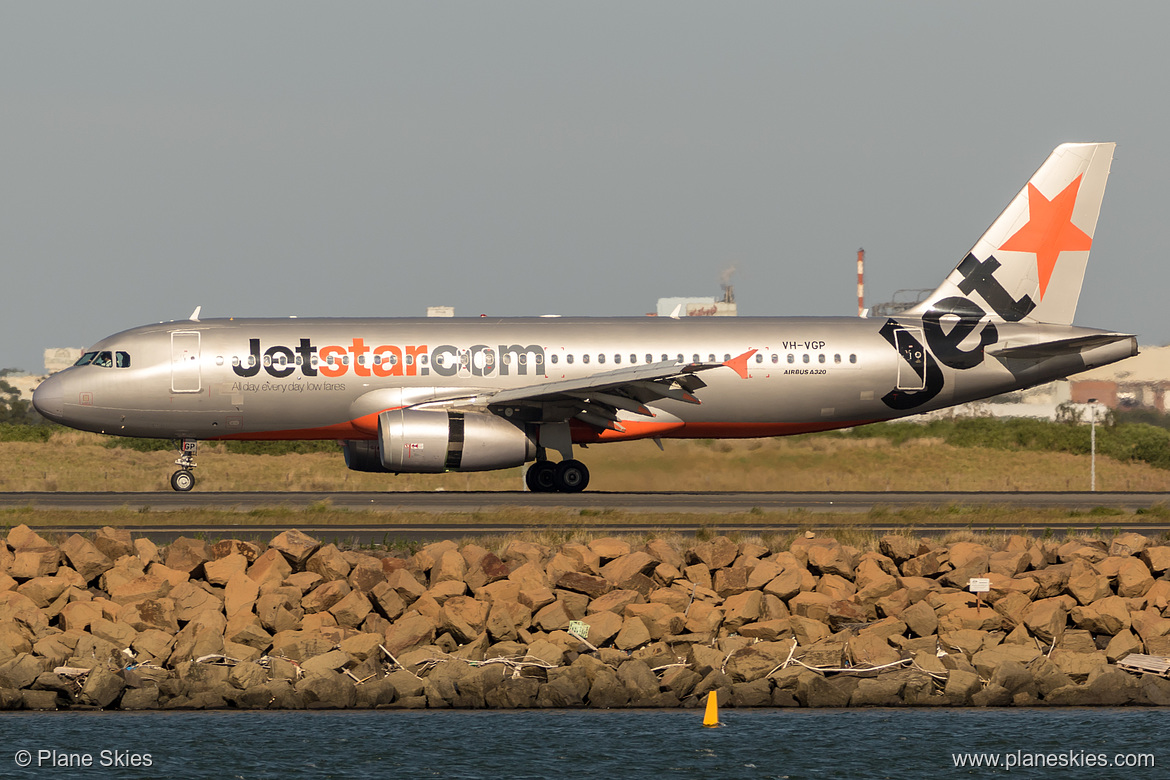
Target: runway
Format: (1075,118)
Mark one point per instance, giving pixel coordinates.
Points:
(440,502)
(387,517)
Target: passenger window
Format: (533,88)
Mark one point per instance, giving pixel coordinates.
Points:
(345,360)
(836,358)
(680,357)
(523,358)
(696,356)
(791,358)
(821,358)
(805,358)
(585,358)
(422,359)
(123,360)
(409,359)
(650,358)
(727,356)
(85,359)
(315,361)
(711,358)
(300,360)
(569,359)
(617,358)
(268,360)
(601,357)
(853,358)
(634,358)
(775,357)
(236,362)
(759,357)
(553,358)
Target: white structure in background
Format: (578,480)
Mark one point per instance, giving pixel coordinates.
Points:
(440,311)
(56,359)
(60,358)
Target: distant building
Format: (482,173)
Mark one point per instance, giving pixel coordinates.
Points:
(700,307)
(440,311)
(1139,381)
(59,358)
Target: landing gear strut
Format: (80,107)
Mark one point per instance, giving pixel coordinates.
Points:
(183,480)
(568,476)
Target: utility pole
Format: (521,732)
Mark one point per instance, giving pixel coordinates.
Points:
(1093,445)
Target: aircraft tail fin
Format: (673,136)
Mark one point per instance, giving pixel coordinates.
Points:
(1030,263)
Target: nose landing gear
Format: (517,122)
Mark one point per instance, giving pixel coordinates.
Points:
(183,480)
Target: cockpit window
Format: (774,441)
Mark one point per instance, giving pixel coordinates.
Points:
(104,359)
(122,359)
(85,359)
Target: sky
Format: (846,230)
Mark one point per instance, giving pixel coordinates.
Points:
(521,158)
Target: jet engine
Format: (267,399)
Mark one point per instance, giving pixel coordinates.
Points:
(421,441)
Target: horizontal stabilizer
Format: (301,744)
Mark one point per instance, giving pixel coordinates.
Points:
(1050,349)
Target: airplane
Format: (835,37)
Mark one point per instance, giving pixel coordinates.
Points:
(418,395)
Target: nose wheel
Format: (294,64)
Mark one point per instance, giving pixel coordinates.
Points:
(183,480)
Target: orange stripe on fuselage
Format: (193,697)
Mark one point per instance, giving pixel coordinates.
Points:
(584,434)
(365,427)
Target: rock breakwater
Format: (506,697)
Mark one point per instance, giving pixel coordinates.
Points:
(113,622)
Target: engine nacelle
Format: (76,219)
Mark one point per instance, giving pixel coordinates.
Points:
(431,441)
(363,455)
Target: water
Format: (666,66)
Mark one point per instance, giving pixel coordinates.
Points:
(577,744)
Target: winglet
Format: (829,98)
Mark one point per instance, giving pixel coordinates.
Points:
(739,364)
(195,314)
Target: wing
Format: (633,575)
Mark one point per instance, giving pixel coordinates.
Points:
(597,398)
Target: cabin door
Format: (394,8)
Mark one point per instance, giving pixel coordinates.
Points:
(912,366)
(185,362)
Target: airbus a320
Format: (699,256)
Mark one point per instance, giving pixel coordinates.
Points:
(432,395)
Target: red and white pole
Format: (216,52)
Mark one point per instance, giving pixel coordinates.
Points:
(860,282)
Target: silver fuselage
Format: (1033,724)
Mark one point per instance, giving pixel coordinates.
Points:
(330,378)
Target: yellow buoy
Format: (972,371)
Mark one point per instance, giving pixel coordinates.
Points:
(711,716)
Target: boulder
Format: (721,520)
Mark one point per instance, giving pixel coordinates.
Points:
(408,633)
(187,555)
(1133,578)
(114,542)
(327,690)
(329,564)
(220,570)
(1046,618)
(102,687)
(85,557)
(270,566)
(714,554)
(295,546)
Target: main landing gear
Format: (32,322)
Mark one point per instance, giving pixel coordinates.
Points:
(568,476)
(183,480)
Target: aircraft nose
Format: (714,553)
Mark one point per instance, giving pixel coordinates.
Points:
(49,399)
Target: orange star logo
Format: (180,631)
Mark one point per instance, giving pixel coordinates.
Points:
(1049,231)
